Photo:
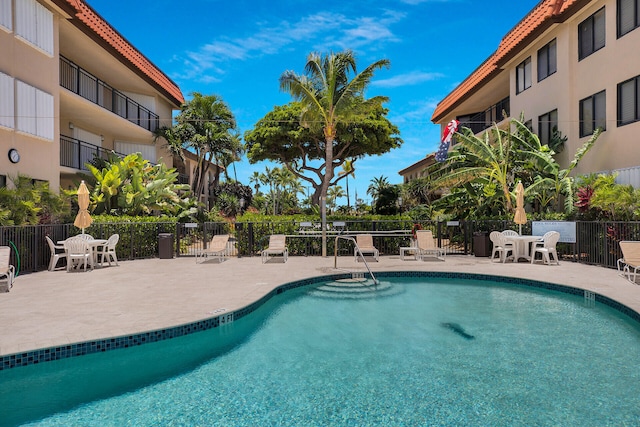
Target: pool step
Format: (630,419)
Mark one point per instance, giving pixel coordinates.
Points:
(355,288)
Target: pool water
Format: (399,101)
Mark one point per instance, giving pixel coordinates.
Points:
(432,352)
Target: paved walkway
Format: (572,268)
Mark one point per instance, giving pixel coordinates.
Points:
(49,309)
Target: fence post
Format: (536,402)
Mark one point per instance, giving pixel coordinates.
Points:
(250,239)
(177,240)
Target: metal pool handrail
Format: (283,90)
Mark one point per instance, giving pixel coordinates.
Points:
(335,255)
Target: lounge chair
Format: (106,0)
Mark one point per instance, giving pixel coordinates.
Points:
(365,245)
(501,246)
(78,249)
(277,246)
(217,247)
(57,253)
(7,271)
(629,264)
(427,245)
(108,250)
(546,247)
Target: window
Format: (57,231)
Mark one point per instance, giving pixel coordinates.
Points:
(547,63)
(591,35)
(523,75)
(7,113)
(629,101)
(35,111)
(6,15)
(592,113)
(628,17)
(34,24)
(546,124)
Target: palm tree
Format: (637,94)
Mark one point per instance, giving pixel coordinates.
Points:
(377,186)
(334,193)
(267,178)
(256,179)
(348,170)
(329,98)
(207,127)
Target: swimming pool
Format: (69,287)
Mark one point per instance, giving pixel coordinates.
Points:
(440,350)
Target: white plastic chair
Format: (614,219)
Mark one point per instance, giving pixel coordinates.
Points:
(57,253)
(546,247)
(501,246)
(83,236)
(510,233)
(108,250)
(78,250)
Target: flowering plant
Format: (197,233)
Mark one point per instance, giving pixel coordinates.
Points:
(415,228)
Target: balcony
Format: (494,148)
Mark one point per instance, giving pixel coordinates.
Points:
(88,86)
(75,153)
(481,121)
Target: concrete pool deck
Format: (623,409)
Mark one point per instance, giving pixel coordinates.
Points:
(48,309)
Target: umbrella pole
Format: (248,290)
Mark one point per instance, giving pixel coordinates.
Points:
(519,225)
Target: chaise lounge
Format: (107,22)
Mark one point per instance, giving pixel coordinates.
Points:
(217,247)
(629,264)
(277,246)
(365,245)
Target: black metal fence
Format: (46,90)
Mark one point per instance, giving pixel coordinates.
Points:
(597,243)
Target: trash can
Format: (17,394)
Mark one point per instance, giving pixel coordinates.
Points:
(481,244)
(165,245)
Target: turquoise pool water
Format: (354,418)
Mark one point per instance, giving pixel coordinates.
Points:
(421,352)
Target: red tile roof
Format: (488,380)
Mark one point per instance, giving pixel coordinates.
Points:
(89,20)
(540,18)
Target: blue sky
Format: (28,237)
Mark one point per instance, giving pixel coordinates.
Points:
(238,50)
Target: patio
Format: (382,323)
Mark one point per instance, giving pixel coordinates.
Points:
(48,309)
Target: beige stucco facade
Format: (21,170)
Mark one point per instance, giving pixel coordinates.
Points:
(574,80)
(77,120)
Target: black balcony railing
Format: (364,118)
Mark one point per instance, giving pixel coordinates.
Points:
(481,121)
(88,86)
(75,153)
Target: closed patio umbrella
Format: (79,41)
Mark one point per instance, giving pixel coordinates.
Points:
(83,219)
(520,216)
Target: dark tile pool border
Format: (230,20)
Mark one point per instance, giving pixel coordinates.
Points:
(101,345)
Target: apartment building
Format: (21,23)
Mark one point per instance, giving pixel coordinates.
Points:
(72,88)
(418,169)
(573,64)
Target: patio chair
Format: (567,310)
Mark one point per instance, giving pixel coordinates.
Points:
(78,250)
(501,246)
(277,246)
(57,253)
(84,236)
(510,233)
(629,264)
(217,247)
(546,247)
(365,245)
(108,250)
(427,245)
(7,271)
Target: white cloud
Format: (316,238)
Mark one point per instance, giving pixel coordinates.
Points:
(419,114)
(407,79)
(324,31)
